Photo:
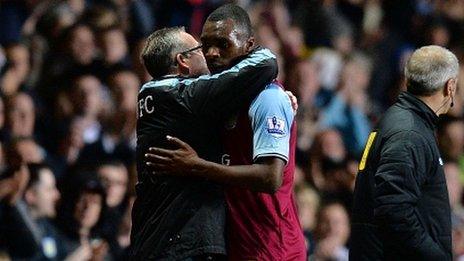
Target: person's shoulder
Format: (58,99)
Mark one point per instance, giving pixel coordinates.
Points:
(158,85)
(273,93)
(397,119)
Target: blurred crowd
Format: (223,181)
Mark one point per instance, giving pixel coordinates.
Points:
(69,79)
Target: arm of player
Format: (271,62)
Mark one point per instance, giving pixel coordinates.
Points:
(398,181)
(271,116)
(263,176)
(220,95)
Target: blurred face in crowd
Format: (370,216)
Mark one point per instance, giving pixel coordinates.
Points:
(223,42)
(333,222)
(309,83)
(18,56)
(114,180)
(29,151)
(114,46)
(88,209)
(82,45)
(2,113)
(439,35)
(452,140)
(308,203)
(452,182)
(86,95)
(268,39)
(21,115)
(124,86)
(43,196)
(332,145)
(354,76)
(343,43)
(77,6)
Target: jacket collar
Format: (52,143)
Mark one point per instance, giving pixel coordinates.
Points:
(411,102)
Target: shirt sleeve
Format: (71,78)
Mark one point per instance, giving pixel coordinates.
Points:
(271,117)
(223,94)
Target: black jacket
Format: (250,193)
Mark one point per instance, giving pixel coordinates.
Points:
(30,239)
(177,217)
(401,209)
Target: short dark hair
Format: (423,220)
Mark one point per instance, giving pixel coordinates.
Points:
(34,173)
(112,163)
(237,14)
(158,55)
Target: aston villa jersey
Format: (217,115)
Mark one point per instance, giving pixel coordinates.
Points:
(264,226)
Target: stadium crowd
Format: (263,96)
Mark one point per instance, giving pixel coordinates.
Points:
(69,78)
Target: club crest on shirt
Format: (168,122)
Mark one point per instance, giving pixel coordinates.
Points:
(276,126)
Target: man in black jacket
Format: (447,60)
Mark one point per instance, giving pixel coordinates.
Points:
(183,218)
(401,209)
(29,231)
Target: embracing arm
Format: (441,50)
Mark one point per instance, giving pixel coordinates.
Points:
(263,176)
(271,119)
(222,94)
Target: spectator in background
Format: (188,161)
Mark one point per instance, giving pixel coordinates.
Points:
(452,174)
(86,100)
(103,15)
(73,142)
(28,222)
(81,44)
(31,152)
(3,131)
(347,111)
(451,138)
(20,115)
(332,233)
(328,150)
(81,214)
(16,71)
(124,86)
(76,54)
(28,149)
(123,234)
(113,45)
(114,178)
(308,207)
(458,238)
(111,145)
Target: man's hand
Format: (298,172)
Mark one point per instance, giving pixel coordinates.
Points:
(180,161)
(294,101)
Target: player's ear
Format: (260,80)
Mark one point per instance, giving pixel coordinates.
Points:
(250,43)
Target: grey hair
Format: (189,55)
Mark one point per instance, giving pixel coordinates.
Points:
(160,50)
(429,68)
